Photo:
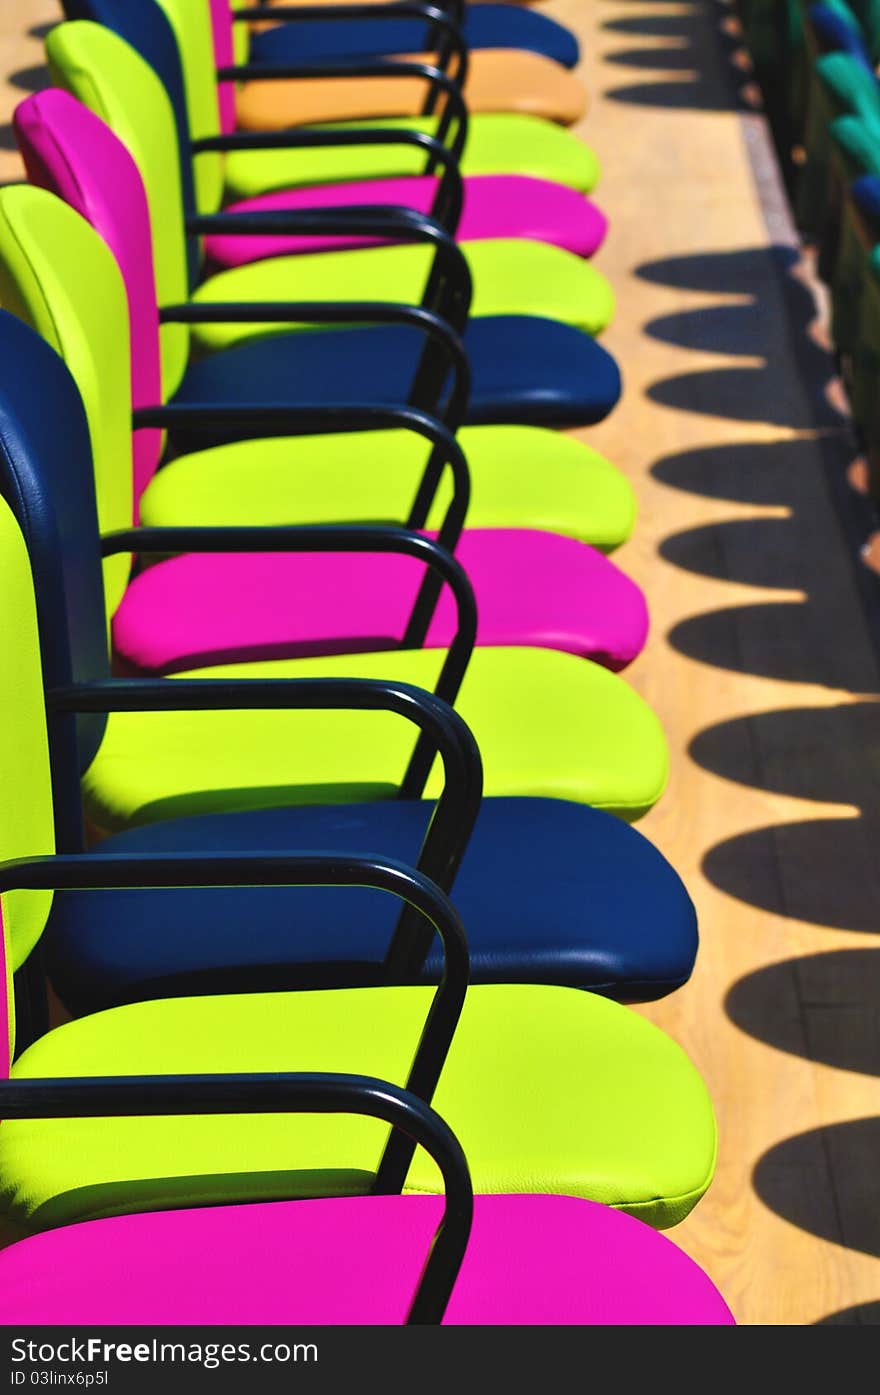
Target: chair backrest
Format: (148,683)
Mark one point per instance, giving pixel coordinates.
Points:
(226,52)
(177,41)
(46,477)
(26,820)
(113,81)
(48,551)
(140,92)
(69,151)
(60,277)
(192,23)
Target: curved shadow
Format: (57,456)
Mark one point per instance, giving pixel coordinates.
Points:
(652,26)
(725,273)
(827,1183)
(740,473)
(787,640)
(32,79)
(862,1315)
(747,551)
(674,58)
(836,883)
(698,95)
(744,394)
(721,329)
(826,754)
(7,137)
(821,1007)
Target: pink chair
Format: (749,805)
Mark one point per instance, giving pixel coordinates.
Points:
(532,587)
(494,205)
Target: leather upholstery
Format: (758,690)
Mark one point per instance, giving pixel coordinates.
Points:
(531,1259)
(605,1105)
(549,892)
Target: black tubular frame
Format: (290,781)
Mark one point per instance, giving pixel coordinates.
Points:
(444,35)
(439,82)
(127,1096)
(280,420)
(449,288)
(441,568)
(450,193)
(442,731)
(444,352)
(447,451)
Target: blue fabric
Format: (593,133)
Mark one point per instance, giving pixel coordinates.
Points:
(866,196)
(486,26)
(525,369)
(549,892)
(836,34)
(46,477)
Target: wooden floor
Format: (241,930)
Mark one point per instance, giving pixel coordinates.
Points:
(760,663)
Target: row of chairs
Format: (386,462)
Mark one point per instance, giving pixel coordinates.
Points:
(824,57)
(311,623)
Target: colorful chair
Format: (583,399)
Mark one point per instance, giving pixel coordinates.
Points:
(511,276)
(492,205)
(559,891)
(521,475)
(589,733)
(485,26)
(491,79)
(526,369)
(489,143)
(532,587)
(604,1105)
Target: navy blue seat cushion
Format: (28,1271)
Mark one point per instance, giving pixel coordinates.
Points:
(525,369)
(836,34)
(866,196)
(549,892)
(486,26)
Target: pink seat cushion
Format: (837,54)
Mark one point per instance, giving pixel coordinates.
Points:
(356,1260)
(532,588)
(495,205)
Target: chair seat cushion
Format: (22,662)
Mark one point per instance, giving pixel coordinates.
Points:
(531,588)
(498,80)
(547,1089)
(497,143)
(546,723)
(548,891)
(355,1261)
(525,370)
(495,205)
(511,276)
(485,26)
(521,476)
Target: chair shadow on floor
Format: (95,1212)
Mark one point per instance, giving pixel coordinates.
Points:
(697,43)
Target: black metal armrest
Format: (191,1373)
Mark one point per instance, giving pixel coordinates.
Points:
(446,209)
(441,567)
(280,420)
(444,353)
(440,83)
(448,290)
(441,732)
(409,1116)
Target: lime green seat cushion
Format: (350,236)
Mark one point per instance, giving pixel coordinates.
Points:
(511,276)
(853,87)
(521,476)
(548,1089)
(547,723)
(497,143)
